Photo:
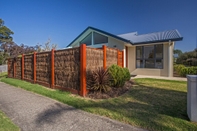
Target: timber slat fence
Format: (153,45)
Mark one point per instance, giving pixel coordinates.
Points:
(63,69)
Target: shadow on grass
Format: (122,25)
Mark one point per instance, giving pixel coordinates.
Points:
(144,106)
(149,107)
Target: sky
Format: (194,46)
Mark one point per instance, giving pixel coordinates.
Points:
(61,21)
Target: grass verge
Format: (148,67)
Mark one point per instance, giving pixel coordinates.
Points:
(150,104)
(6,124)
(3,74)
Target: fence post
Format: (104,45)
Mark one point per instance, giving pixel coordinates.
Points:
(8,67)
(22,67)
(104,57)
(14,68)
(127,56)
(117,57)
(123,58)
(52,68)
(83,70)
(34,67)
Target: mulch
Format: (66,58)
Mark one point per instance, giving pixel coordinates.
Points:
(114,92)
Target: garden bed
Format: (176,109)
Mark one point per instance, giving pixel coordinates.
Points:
(114,92)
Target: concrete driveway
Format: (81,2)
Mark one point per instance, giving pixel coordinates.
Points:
(32,112)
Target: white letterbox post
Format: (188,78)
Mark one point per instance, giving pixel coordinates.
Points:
(192,97)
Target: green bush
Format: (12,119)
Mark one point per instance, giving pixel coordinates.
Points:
(119,75)
(127,74)
(188,71)
(183,70)
(178,68)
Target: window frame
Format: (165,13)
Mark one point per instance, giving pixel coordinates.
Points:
(143,59)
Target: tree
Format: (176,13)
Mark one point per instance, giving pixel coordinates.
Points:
(5,33)
(47,46)
(5,37)
(188,58)
(178,52)
(10,49)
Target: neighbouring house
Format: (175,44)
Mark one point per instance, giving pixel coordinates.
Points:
(146,54)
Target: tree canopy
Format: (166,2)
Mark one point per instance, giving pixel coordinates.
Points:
(5,33)
(188,58)
(8,48)
(178,52)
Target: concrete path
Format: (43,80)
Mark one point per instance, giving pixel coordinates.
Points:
(159,77)
(32,112)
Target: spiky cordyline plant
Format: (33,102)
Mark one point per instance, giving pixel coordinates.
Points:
(99,80)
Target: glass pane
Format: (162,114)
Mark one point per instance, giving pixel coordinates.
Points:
(87,40)
(139,52)
(149,51)
(159,51)
(159,64)
(139,64)
(99,39)
(149,64)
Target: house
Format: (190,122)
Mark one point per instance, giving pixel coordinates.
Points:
(146,54)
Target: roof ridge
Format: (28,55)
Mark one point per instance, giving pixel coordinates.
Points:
(128,33)
(160,31)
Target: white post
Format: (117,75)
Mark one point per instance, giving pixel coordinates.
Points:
(124,64)
(192,97)
(170,58)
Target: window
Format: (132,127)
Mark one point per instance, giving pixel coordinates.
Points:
(149,52)
(150,56)
(87,40)
(159,51)
(139,52)
(99,39)
(140,64)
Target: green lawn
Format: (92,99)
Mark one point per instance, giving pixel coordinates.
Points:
(6,124)
(150,104)
(4,74)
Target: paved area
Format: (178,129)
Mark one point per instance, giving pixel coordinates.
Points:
(159,77)
(32,112)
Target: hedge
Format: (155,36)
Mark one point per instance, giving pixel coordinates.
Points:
(183,70)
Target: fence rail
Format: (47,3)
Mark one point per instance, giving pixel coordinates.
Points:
(63,69)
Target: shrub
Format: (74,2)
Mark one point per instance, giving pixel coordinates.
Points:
(119,75)
(127,74)
(178,68)
(188,71)
(99,80)
(183,70)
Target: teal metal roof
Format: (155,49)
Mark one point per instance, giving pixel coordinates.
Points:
(135,39)
(162,36)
